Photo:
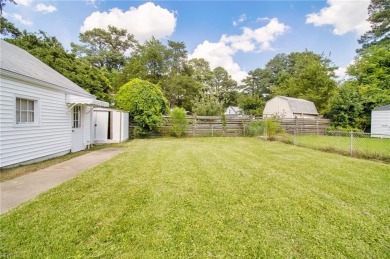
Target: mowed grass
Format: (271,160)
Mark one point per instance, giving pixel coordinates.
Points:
(210,197)
(364,147)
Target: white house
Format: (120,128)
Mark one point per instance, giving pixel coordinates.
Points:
(42,113)
(233,110)
(380,122)
(287,107)
(110,125)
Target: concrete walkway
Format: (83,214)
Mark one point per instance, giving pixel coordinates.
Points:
(26,187)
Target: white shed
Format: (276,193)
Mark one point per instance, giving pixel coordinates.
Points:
(288,107)
(42,113)
(110,125)
(233,110)
(380,122)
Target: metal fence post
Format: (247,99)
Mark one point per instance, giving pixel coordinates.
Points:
(351,144)
(212,130)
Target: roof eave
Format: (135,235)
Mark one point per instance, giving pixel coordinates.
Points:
(14,75)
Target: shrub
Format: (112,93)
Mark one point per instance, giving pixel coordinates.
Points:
(255,128)
(145,103)
(269,127)
(179,122)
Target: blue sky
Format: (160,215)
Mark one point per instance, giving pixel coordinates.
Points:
(237,35)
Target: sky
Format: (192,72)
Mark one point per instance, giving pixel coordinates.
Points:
(239,36)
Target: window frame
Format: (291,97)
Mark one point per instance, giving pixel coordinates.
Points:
(35,112)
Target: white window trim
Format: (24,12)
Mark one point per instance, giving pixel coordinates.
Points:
(37,111)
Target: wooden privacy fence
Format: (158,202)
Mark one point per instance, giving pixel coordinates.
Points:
(213,126)
(305,126)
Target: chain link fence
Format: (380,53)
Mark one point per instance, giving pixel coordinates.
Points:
(356,144)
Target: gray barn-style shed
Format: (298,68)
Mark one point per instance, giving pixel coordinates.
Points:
(289,108)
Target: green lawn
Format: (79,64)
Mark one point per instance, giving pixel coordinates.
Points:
(364,147)
(210,197)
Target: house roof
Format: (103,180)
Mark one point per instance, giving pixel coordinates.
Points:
(383,108)
(19,62)
(300,106)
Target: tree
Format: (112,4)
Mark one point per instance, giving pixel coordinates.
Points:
(105,48)
(201,72)
(7,28)
(371,74)
(207,105)
(257,83)
(306,75)
(251,105)
(2,4)
(379,18)
(181,90)
(145,103)
(50,51)
(223,87)
(346,108)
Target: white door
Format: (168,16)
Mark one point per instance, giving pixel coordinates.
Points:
(101,126)
(77,129)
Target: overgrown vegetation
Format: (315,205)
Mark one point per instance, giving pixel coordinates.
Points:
(145,103)
(209,197)
(179,122)
(268,128)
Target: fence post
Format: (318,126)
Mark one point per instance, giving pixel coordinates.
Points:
(351,144)
(212,130)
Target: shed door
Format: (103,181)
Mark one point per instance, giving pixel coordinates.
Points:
(101,126)
(77,129)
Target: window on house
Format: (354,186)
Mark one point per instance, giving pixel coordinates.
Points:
(76,117)
(25,111)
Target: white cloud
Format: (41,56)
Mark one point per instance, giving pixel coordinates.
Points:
(20,19)
(344,16)
(24,2)
(45,8)
(240,19)
(222,52)
(143,22)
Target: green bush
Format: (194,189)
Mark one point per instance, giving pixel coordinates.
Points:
(272,128)
(145,103)
(268,127)
(179,122)
(255,128)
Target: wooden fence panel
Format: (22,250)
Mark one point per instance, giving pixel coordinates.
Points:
(235,126)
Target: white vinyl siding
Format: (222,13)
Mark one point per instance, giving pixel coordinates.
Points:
(19,144)
(380,124)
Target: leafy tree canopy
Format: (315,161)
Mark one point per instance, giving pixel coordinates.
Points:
(303,75)
(105,48)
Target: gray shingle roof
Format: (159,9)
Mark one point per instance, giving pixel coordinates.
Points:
(16,60)
(383,108)
(301,106)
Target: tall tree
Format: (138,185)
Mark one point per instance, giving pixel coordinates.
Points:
(257,83)
(105,48)
(306,75)
(223,87)
(371,71)
(379,18)
(8,28)
(201,72)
